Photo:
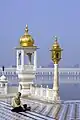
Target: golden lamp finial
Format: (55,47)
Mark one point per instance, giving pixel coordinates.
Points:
(56,51)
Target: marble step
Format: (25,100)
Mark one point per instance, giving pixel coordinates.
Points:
(8,115)
(63,111)
(71,112)
(78,112)
(40,108)
(46,110)
(55,111)
(31,115)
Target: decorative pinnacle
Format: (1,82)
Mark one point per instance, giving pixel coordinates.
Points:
(56,38)
(26,30)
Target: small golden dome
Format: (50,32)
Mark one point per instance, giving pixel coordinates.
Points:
(26,40)
(55,44)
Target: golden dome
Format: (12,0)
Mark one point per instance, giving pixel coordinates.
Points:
(55,44)
(26,40)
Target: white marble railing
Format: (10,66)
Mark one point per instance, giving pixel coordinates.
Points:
(25,67)
(41,93)
(43,71)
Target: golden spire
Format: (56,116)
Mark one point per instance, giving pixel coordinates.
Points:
(55,38)
(55,44)
(26,40)
(26,30)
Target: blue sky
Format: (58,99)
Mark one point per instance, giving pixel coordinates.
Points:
(45,19)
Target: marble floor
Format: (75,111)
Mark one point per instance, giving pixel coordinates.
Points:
(69,110)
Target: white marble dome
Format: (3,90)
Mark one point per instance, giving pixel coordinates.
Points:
(2,77)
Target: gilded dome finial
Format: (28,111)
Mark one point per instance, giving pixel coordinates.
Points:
(26,40)
(26,30)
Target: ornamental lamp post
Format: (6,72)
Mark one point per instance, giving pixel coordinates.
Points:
(56,56)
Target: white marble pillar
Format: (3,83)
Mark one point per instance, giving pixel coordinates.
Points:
(36,90)
(19,88)
(47,92)
(17,57)
(56,84)
(6,88)
(41,91)
(22,59)
(31,89)
(29,57)
(1,84)
(35,60)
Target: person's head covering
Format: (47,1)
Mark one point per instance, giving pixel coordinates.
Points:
(18,94)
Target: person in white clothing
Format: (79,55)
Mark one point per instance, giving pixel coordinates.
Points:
(17,105)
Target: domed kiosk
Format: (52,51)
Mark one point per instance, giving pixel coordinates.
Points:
(3,85)
(26,71)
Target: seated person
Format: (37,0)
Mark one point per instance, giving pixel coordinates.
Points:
(17,106)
